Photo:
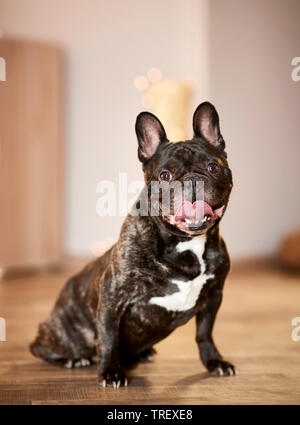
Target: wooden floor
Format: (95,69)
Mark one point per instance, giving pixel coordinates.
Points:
(253,330)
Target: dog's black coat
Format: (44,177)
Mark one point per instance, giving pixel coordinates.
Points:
(104,311)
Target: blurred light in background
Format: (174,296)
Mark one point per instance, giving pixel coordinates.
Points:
(169,100)
(154,75)
(141,83)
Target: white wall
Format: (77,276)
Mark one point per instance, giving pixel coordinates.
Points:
(107,44)
(252,44)
(239,52)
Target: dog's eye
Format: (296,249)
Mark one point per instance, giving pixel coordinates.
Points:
(213,168)
(165,175)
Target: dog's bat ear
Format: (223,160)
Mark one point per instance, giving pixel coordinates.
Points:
(150,134)
(206,125)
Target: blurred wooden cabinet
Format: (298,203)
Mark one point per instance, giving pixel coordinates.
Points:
(30,155)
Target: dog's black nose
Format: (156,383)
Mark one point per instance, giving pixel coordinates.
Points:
(193,187)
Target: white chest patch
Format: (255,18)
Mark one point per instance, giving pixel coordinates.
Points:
(188,291)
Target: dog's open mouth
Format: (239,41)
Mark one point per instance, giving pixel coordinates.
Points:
(195,217)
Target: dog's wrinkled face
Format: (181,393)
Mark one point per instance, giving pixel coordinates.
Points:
(195,173)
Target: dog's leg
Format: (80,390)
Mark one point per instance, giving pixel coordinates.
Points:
(48,346)
(56,349)
(110,372)
(209,354)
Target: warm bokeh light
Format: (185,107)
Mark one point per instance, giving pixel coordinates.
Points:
(176,134)
(141,83)
(154,75)
(169,100)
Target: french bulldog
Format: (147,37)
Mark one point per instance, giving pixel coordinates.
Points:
(163,270)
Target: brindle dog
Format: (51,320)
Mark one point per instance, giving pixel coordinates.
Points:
(163,270)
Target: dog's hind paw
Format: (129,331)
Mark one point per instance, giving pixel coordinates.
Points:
(77,363)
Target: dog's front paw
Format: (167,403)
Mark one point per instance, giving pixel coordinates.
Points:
(113,378)
(221,368)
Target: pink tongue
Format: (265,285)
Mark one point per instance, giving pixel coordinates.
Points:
(195,211)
